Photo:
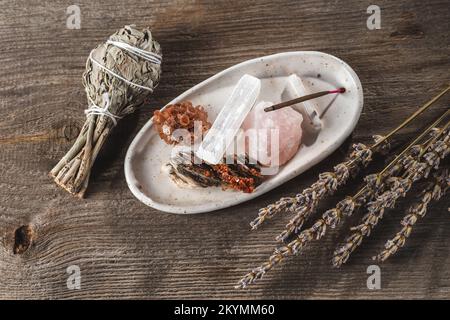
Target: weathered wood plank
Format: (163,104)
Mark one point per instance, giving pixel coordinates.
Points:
(127,250)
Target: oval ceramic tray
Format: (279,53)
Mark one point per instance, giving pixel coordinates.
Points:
(147,153)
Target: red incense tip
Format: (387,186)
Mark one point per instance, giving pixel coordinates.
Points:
(340,90)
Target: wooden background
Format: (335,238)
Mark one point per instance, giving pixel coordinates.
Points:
(128,250)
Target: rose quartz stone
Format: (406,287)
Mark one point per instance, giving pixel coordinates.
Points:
(274,137)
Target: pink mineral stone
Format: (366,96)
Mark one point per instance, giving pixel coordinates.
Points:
(266,129)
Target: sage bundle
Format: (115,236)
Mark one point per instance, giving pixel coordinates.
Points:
(120,74)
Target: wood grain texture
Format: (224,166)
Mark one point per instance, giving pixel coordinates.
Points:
(127,250)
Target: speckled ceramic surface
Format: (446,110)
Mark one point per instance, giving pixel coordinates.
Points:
(147,153)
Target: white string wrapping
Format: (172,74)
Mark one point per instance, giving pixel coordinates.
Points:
(96,110)
(117,75)
(146,55)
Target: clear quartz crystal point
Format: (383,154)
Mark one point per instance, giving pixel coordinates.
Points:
(229,120)
(294,89)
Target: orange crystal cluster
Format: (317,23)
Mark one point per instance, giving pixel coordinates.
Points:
(181,115)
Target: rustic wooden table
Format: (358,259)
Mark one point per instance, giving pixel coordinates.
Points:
(127,250)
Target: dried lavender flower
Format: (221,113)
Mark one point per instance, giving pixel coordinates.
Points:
(304,203)
(384,146)
(376,184)
(330,218)
(399,186)
(381,145)
(434,191)
(301,204)
(327,184)
(295,204)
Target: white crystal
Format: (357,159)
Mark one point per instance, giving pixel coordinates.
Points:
(229,120)
(295,88)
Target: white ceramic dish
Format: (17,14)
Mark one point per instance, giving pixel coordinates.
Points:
(147,153)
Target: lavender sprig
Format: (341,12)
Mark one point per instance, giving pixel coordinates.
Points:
(375,185)
(399,186)
(328,182)
(417,211)
(330,218)
(374,182)
(294,203)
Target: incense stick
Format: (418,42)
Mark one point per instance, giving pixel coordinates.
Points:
(302,99)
